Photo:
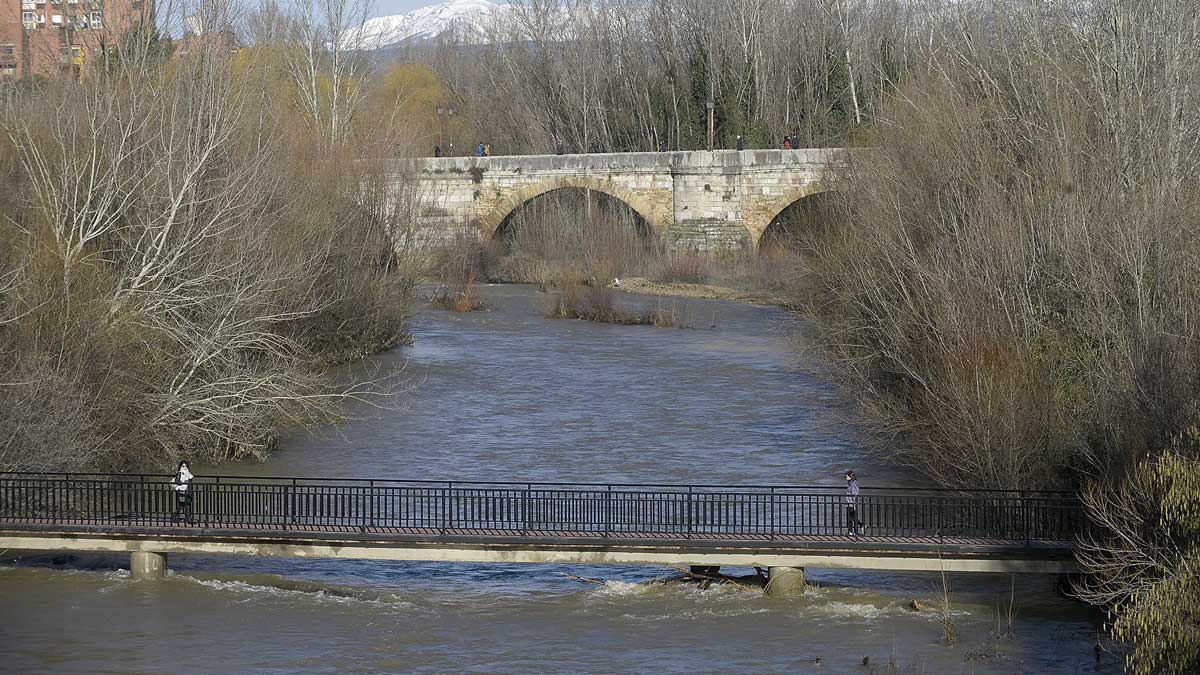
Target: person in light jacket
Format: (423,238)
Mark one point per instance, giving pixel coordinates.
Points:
(852,521)
(183,493)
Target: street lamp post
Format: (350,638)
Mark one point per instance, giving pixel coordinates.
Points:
(443,126)
(709,105)
(440,139)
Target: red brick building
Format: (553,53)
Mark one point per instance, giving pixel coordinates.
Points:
(57,38)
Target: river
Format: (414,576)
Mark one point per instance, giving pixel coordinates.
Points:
(506,394)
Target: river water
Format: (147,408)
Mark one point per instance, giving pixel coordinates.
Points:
(509,395)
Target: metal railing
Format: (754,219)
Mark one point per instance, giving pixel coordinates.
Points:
(299,505)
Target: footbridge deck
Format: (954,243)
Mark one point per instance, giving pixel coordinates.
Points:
(765,526)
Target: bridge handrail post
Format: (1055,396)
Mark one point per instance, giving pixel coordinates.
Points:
(607,511)
(372,503)
(940,525)
(289,502)
(774,501)
(446,506)
(140,498)
(525,508)
(689,511)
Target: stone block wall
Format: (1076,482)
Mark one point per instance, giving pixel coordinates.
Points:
(702,201)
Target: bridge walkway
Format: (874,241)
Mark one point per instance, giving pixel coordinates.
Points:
(767,526)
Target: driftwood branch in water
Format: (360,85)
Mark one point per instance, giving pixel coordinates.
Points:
(706,580)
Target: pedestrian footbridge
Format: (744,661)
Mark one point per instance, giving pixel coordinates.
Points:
(778,527)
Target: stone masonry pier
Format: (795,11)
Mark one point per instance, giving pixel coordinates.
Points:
(706,201)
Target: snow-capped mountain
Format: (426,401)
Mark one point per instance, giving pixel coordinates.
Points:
(464,16)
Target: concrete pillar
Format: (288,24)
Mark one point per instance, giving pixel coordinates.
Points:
(147,565)
(785,581)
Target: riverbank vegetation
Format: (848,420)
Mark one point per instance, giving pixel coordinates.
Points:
(185,247)
(1014,304)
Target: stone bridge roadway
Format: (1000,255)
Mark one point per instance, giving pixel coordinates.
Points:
(707,201)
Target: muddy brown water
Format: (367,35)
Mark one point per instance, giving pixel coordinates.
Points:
(507,394)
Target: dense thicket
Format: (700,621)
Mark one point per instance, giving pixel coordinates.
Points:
(628,75)
(183,251)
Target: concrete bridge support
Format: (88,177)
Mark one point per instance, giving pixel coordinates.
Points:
(147,565)
(785,581)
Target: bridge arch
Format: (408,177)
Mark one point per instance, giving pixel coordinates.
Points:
(490,220)
(773,207)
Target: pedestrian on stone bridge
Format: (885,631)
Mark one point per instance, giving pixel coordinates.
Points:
(852,521)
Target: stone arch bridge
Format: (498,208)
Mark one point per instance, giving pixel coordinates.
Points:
(707,201)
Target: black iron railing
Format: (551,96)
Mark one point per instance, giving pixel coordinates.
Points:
(566,509)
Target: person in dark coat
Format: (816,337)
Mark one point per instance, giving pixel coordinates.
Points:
(437,151)
(479,149)
(787,142)
(741,143)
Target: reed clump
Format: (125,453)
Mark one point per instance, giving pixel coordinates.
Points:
(597,302)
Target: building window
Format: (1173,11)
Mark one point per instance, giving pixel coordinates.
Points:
(28,17)
(97,19)
(8,59)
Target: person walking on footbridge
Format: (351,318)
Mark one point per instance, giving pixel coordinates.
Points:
(852,522)
(182,482)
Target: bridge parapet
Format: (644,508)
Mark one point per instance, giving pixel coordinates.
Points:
(772,526)
(818,158)
(683,511)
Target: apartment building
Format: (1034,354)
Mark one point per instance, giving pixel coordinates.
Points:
(63,38)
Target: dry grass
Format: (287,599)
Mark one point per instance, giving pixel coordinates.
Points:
(465,299)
